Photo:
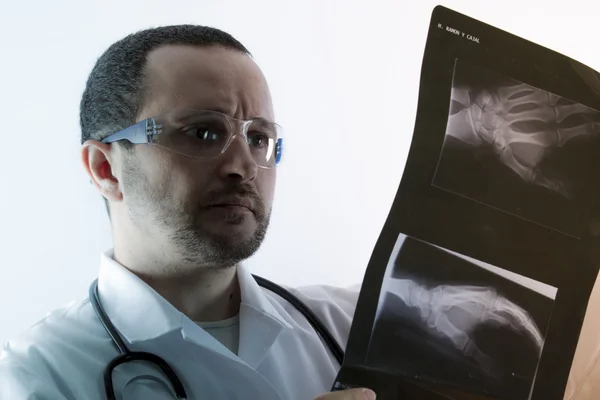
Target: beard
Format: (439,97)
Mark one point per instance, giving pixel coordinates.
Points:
(181,225)
(199,245)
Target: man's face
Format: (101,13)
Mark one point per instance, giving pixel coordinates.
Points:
(169,196)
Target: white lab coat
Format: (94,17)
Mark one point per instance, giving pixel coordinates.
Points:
(280,355)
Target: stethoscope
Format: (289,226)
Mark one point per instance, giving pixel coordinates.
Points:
(127,355)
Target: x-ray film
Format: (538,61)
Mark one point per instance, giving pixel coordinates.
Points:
(439,308)
(480,279)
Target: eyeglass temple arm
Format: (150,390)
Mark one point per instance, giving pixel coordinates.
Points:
(136,134)
(278,150)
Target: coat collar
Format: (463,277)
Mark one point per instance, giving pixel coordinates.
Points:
(141,314)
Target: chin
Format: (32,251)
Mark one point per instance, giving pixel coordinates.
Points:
(235,227)
(232,234)
(231,246)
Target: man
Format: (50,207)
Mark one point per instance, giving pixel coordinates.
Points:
(186,209)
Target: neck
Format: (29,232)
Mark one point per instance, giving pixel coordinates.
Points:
(203,293)
(210,295)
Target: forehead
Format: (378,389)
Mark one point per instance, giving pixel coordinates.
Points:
(184,77)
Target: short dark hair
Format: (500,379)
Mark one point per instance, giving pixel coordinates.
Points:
(115,91)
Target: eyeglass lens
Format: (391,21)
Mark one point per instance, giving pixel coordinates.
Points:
(206,134)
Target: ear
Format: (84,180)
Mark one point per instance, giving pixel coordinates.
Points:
(98,161)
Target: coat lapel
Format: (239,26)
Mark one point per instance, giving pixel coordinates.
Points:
(260,323)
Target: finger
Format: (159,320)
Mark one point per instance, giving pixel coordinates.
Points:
(351,394)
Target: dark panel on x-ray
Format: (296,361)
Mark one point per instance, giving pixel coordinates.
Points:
(496,356)
(520,149)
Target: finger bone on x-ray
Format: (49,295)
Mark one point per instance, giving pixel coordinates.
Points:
(490,117)
(479,305)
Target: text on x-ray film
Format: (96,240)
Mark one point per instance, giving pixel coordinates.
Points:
(459,33)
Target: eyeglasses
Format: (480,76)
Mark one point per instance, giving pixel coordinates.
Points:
(206,134)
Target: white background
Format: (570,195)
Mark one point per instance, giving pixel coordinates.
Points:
(344,77)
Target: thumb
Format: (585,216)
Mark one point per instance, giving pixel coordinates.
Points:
(350,394)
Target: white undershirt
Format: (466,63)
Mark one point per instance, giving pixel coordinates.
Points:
(226,331)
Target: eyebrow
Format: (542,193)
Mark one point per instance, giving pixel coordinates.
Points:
(262,120)
(216,109)
(257,119)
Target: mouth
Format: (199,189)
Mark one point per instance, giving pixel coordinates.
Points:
(237,205)
(230,207)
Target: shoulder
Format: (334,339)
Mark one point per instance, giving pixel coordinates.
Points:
(27,362)
(341,299)
(334,306)
(37,342)
(47,332)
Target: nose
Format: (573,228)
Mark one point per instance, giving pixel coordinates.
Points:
(237,161)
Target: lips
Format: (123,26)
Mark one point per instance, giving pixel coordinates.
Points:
(233,203)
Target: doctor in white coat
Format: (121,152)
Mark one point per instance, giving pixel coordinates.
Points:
(189,200)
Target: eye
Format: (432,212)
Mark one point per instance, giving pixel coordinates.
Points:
(205,133)
(258,139)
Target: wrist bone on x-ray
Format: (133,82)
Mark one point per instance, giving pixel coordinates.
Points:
(490,117)
(479,305)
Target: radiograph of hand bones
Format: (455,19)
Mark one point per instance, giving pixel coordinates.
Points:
(493,118)
(477,306)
